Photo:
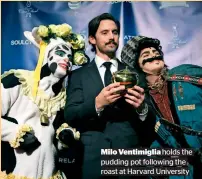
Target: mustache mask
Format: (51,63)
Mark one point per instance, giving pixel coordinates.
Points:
(152,59)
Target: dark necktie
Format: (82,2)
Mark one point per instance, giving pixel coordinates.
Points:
(108,74)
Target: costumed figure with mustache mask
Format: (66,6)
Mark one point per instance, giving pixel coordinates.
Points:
(176,96)
(33,127)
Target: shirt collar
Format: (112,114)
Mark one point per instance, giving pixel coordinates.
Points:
(99,61)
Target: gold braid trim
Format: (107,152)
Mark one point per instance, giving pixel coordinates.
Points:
(163,76)
(12,176)
(66,126)
(158,85)
(19,136)
(157,125)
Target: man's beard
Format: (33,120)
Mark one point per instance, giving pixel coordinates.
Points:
(114,48)
(109,51)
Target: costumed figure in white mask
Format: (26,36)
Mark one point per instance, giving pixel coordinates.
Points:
(32,105)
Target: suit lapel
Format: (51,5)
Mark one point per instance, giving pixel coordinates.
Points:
(121,66)
(95,75)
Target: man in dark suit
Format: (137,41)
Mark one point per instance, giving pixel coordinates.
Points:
(105,118)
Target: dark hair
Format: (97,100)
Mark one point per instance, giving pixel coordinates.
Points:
(95,22)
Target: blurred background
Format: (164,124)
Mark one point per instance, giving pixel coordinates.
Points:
(177,24)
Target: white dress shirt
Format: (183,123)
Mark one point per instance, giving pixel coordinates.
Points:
(101,68)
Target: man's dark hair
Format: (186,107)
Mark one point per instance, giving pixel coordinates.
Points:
(95,22)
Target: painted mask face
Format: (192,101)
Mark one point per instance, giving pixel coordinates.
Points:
(150,61)
(60,60)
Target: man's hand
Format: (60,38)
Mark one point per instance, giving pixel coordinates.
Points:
(108,95)
(135,96)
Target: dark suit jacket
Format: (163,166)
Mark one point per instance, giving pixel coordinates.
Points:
(118,126)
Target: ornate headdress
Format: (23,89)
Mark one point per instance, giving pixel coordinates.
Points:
(47,37)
